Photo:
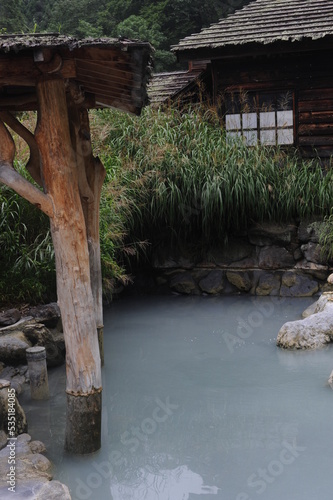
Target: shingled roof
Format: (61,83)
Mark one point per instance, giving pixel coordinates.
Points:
(16,43)
(265,22)
(165,86)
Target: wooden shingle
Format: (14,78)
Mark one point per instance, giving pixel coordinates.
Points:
(264,22)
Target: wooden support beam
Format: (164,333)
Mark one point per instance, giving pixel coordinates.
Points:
(24,188)
(24,71)
(11,178)
(68,229)
(33,165)
(15,101)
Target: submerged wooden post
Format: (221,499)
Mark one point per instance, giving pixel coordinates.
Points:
(68,229)
(39,386)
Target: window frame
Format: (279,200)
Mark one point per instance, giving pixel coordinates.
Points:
(255,95)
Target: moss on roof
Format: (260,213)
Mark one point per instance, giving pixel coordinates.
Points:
(18,42)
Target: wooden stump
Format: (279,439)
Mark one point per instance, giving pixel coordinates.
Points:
(83,423)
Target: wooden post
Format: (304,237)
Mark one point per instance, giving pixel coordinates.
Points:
(39,385)
(95,172)
(91,178)
(61,183)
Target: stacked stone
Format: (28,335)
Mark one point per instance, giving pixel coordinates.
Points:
(270,259)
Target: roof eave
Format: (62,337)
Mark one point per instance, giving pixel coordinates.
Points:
(229,51)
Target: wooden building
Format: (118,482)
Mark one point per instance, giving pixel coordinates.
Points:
(61,78)
(183,86)
(271,73)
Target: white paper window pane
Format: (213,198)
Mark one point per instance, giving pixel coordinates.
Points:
(233,122)
(267,120)
(249,120)
(285,136)
(251,137)
(268,137)
(232,136)
(285,118)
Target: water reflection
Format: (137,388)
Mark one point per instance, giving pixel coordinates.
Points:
(175,484)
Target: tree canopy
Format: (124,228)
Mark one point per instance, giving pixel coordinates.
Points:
(161,23)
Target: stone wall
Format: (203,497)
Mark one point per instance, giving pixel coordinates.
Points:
(270,259)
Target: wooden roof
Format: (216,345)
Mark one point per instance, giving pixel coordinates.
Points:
(107,72)
(263,22)
(165,86)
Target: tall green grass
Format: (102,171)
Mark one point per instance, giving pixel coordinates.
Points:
(173,179)
(186,183)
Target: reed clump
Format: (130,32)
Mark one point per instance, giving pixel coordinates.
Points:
(173,179)
(184,182)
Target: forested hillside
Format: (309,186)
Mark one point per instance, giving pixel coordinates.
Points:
(163,22)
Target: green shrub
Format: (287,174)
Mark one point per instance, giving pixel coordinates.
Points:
(26,251)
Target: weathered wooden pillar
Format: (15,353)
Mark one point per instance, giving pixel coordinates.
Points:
(95,172)
(68,228)
(91,178)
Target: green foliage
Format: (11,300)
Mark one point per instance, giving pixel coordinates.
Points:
(162,23)
(26,251)
(12,19)
(67,14)
(137,27)
(325,232)
(86,29)
(186,184)
(172,179)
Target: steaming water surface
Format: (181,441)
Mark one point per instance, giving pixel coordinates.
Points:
(199,401)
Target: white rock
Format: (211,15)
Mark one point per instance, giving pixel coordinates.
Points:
(325,301)
(330,380)
(312,332)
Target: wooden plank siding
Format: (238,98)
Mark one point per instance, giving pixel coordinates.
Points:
(309,76)
(278,46)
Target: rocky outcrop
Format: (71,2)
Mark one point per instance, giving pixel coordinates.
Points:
(313,253)
(324,301)
(8,399)
(313,331)
(32,477)
(269,234)
(9,317)
(275,257)
(41,328)
(16,375)
(12,347)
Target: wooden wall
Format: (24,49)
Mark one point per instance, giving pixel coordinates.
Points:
(308,75)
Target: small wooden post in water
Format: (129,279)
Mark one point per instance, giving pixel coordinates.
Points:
(39,386)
